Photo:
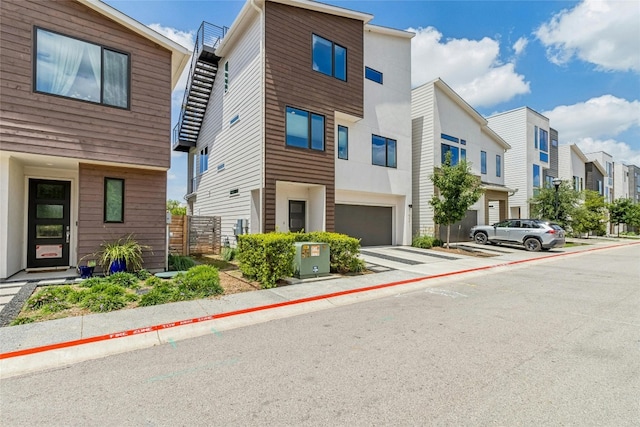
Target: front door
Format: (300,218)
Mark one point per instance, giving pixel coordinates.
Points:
(49,223)
(297,215)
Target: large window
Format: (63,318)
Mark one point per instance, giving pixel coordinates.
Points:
(329,58)
(304,129)
(384,151)
(73,68)
(455,154)
(373,75)
(113,200)
(343,142)
(483,162)
(498,165)
(544,146)
(536,176)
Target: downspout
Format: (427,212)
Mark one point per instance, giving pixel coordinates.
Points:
(262,113)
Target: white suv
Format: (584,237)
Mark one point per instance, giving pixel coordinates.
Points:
(534,234)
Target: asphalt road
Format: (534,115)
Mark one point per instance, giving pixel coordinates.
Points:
(550,343)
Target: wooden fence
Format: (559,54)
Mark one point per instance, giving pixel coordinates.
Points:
(190,235)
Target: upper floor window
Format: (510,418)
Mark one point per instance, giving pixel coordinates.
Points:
(204,160)
(373,75)
(343,142)
(498,165)
(226,77)
(384,151)
(329,58)
(536,176)
(455,154)
(304,129)
(483,162)
(535,137)
(450,138)
(73,68)
(544,141)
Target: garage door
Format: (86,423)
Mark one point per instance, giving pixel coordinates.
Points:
(372,224)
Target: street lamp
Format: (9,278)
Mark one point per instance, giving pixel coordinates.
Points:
(556,183)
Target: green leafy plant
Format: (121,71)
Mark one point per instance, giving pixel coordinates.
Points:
(199,281)
(51,299)
(425,242)
(126,280)
(175,208)
(228,253)
(106,297)
(143,274)
(125,249)
(87,283)
(22,321)
(162,293)
(266,257)
(180,262)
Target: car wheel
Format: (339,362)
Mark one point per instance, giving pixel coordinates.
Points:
(532,244)
(481,238)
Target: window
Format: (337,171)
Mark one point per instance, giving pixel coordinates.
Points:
(384,151)
(449,138)
(544,157)
(373,75)
(304,129)
(536,176)
(72,68)
(463,142)
(226,77)
(554,142)
(576,183)
(544,140)
(113,200)
(483,162)
(498,165)
(463,154)
(343,142)
(204,160)
(329,58)
(446,148)
(548,181)
(535,137)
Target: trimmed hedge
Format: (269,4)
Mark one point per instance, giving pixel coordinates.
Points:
(269,257)
(425,242)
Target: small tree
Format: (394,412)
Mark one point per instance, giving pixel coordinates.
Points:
(591,216)
(174,207)
(457,189)
(619,212)
(633,216)
(543,204)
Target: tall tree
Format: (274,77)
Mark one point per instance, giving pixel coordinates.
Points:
(591,216)
(456,190)
(174,207)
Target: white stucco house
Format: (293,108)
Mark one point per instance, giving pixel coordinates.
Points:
(444,122)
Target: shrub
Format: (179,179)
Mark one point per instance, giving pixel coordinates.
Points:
(87,283)
(266,257)
(154,281)
(126,280)
(143,274)
(51,299)
(162,293)
(228,253)
(343,250)
(180,262)
(198,282)
(106,297)
(425,242)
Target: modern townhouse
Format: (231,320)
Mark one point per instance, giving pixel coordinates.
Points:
(85,122)
(571,165)
(606,161)
(621,182)
(298,118)
(595,175)
(527,132)
(634,183)
(443,122)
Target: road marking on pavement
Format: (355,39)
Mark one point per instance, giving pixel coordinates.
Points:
(445,292)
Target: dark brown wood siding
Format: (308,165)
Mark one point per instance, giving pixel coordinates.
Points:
(144,211)
(291,81)
(33,122)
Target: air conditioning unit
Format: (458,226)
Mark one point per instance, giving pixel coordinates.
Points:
(311,260)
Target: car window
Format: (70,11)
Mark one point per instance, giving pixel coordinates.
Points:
(502,224)
(556,227)
(515,224)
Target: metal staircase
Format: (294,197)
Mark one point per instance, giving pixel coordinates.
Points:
(202,74)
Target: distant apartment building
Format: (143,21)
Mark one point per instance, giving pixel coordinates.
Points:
(442,123)
(606,188)
(298,118)
(529,135)
(622,188)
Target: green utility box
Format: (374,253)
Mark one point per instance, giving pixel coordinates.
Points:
(311,260)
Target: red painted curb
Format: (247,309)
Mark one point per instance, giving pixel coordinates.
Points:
(163,326)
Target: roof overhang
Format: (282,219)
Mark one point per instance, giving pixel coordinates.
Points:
(389,31)
(495,187)
(179,54)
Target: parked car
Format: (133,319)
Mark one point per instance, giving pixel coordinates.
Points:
(534,234)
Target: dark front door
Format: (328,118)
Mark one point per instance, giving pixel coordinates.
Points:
(49,223)
(297,215)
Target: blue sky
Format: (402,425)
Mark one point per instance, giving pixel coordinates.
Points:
(577,63)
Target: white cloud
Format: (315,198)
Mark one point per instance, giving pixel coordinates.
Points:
(520,45)
(605,116)
(594,124)
(471,67)
(603,32)
(621,151)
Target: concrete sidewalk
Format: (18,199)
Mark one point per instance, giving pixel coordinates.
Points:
(36,346)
